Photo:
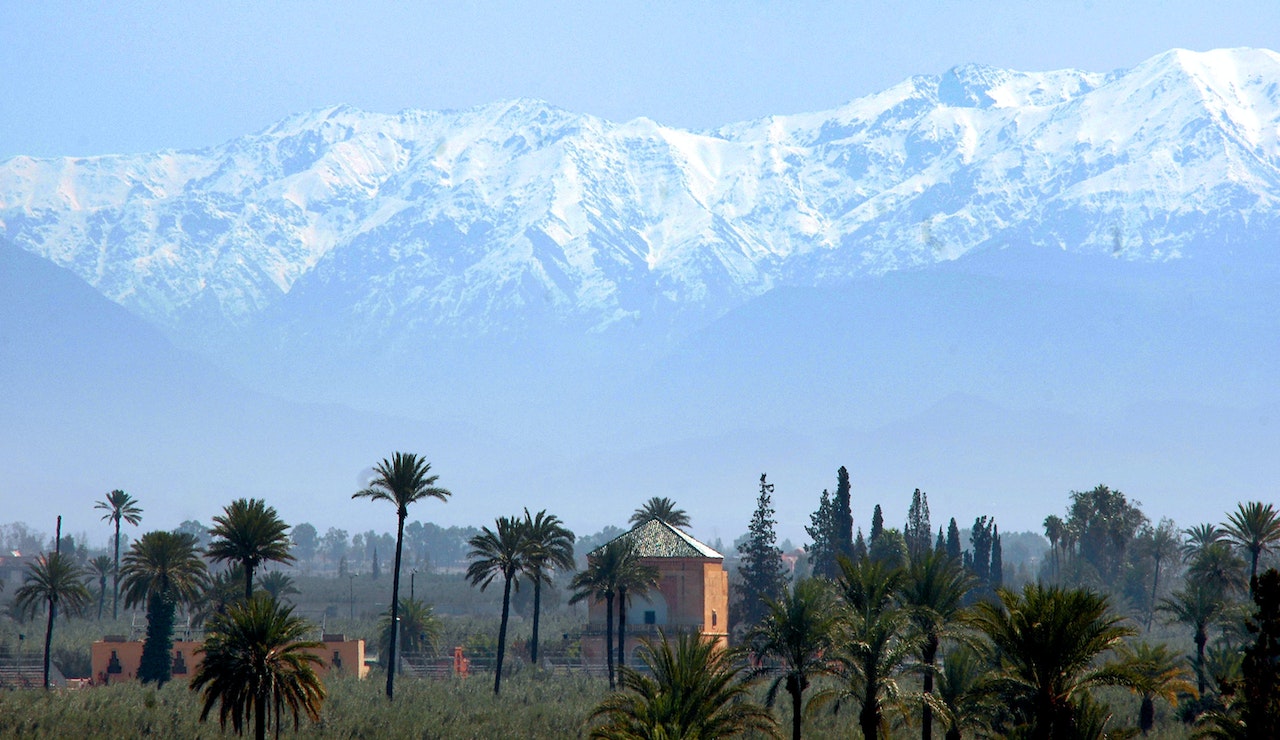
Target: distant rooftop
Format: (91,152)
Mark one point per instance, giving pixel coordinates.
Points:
(657,539)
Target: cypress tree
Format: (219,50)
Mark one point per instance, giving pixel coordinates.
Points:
(953,540)
(941,544)
(980,536)
(918,528)
(842,536)
(823,550)
(877,524)
(996,579)
(859,548)
(156,663)
(763,574)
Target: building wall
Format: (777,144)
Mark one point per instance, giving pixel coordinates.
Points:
(696,591)
(110,656)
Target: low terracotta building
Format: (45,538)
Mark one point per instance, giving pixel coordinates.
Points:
(117,659)
(692,593)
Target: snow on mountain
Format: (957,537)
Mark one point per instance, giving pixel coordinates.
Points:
(468,220)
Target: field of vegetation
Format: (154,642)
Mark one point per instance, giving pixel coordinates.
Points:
(1120,627)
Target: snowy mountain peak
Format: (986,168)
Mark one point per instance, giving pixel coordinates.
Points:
(470,220)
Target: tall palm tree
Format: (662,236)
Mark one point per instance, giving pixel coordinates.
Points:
(933,592)
(1160,674)
(663,509)
(1198,538)
(499,552)
(1049,643)
(800,631)
(1255,529)
(1055,530)
(550,548)
(101,567)
(119,506)
(1198,606)
(694,691)
(51,580)
(163,569)
(879,641)
(634,578)
(402,480)
(250,533)
(599,582)
(256,661)
(1161,544)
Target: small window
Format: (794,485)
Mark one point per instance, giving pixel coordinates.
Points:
(650,617)
(714,617)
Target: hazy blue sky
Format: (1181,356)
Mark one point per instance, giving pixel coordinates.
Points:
(92,78)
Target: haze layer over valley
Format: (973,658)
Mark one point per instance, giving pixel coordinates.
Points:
(997,286)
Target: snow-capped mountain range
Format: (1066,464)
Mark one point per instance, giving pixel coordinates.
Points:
(994,285)
(473,221)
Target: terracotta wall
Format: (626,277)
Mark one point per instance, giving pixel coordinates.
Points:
(118,660)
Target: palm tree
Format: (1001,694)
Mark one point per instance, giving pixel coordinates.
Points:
(960,692)
(550,547)
(1160,674)
(101,567)
(163,569)
(693,691)
(662,509)
(402,480)
(499,552)
(800,631)
(1254,528)
(634,578)
(1047,643)
(598,581)
(51,580)
(1219,566)
(1198,606)
(256,660)
(933,592)
(1055,530)
(880,639)
(119,506)
(1198,539)
(419,628)
(250,533)
(1161,544)
(279,585)
(221,591)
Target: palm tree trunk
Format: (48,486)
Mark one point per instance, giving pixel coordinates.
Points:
(797,696)
(248,581)
(608,636)
(502,633)
(537,607)
(48,639)
(115,589)
(260,716)
(102,595)
(1155,590)
(929,654)
(1201,639)
(395,608)
(622,627)
(869,717)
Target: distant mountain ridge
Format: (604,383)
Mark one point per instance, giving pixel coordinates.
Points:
(994,285)
(471,221)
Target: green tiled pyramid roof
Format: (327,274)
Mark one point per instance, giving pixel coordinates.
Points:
(657,539)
